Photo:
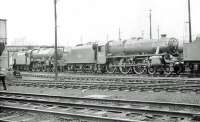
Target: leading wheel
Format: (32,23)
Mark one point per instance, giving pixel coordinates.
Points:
(152,70)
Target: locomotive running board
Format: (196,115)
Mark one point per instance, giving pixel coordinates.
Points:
(147,55)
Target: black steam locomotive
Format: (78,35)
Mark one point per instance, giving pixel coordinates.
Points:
(135,55)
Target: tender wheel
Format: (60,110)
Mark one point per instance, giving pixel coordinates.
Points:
(83,68)
(73,68)
(102,69)
(33,70)
(123,68)
(43,69)
(151,70)
(167,70)
(110,68)
(139,69)
(95,68)
(91,68)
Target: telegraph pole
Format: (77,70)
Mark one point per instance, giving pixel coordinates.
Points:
(189,18)
(158,32)
(142,34)
(56,53)
(150,31)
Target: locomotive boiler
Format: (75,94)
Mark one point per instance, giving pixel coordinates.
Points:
(139,46)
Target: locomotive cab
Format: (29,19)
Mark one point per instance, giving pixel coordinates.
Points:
(101,54)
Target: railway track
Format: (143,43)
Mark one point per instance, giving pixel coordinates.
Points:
(108,77)
(104,109)
(136,85)
(117,74)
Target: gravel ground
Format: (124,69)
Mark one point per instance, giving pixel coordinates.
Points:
(163,96)
(23,116)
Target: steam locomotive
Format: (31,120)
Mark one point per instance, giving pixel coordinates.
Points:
(134,55)
(35,60)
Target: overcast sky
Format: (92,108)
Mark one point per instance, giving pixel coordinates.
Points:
(32,21)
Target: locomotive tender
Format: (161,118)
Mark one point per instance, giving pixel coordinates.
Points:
(191,55)
(135,55)
(85,57)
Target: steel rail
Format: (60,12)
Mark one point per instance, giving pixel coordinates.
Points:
(120,76)
(111,86)
(128,102)
(64,113)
